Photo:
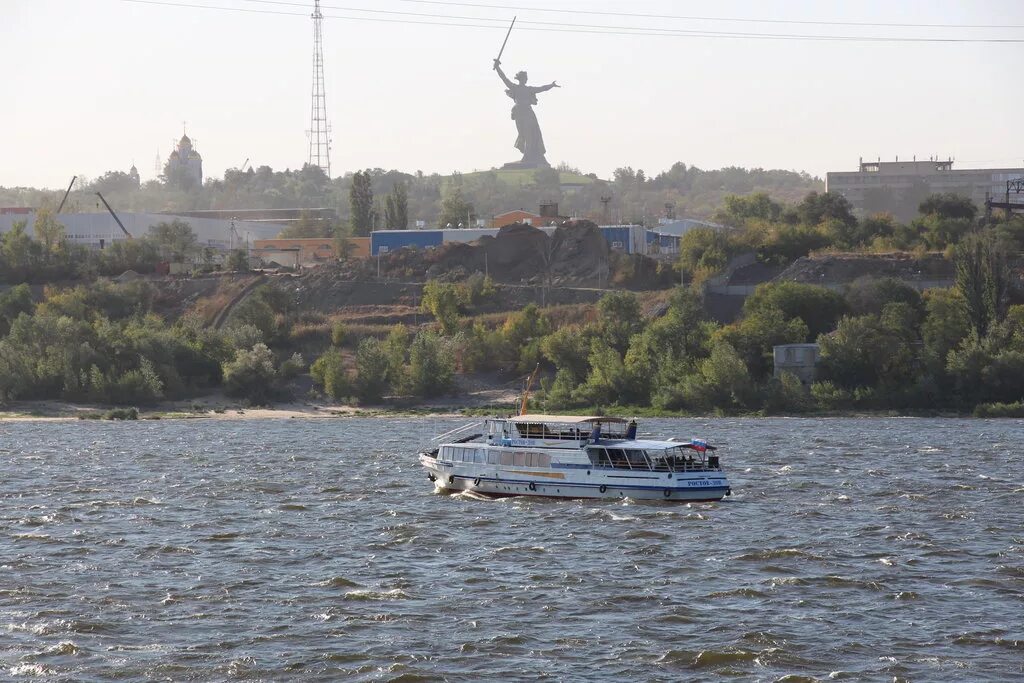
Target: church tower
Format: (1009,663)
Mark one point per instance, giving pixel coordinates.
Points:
(185,165)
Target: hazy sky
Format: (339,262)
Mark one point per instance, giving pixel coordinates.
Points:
(94,85)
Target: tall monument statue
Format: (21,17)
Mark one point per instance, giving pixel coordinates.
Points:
(530,141)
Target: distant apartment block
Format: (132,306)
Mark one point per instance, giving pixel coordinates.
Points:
(898,187)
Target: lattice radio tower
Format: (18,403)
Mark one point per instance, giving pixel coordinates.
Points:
(319,131)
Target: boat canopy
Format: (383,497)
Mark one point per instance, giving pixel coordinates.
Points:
(565,419)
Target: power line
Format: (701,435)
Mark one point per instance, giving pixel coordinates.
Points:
(576,28)
(643,30)
(700,18)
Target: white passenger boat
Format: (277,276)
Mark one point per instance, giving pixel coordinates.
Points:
(564,456)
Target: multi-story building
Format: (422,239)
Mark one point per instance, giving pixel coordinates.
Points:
(898,187)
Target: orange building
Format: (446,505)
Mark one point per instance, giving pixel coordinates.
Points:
(518,216)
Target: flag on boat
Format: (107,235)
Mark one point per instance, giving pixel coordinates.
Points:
(699,445)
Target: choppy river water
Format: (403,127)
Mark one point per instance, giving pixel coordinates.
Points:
(855,549)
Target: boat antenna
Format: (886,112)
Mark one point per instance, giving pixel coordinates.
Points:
(526,393)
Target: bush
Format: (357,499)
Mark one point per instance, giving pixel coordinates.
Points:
(786,394)
(338,332)
(122,414)
(141,386)
(430,366)
(830,397)
(329,373)
(371,369)
(252,376)
(441,299)
(1000,409)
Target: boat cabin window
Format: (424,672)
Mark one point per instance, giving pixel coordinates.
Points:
(523,459)
(679,459)
(637,460)
(461,454)
(618,458)
(599,457)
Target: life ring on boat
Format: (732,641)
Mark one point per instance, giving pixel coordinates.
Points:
(451,478)
(476,482)
(667,492)
(728,491)
(533,487)
(603,488)
(431,477)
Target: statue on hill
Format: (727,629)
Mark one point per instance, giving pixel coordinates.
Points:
(530,141)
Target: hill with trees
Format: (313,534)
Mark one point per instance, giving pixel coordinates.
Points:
(362,198)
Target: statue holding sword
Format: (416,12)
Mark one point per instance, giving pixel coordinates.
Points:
(530,141)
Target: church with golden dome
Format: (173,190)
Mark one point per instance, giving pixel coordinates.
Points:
(185,166)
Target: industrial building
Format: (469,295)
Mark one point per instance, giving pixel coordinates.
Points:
(307,251)
(898,187)
(98,230)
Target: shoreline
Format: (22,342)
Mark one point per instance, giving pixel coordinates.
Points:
(61,411)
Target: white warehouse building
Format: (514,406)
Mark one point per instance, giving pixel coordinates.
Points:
(99,229)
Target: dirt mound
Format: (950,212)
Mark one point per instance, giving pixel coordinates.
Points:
(844,268)
(522,253)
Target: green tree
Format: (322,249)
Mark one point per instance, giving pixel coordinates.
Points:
(945,326)
(441,299)
(703,249)
(16,247)
(396,208)
(252,376)
(865,350)
(371,370)
(982,276)
(607,381)
(175,238)
(754,337)
(786,243)
(238,261)
(618,315)
(14,302)
(818,307)
(329,373)
(738,210)
(870,295)
(396,345)
(258,313)
(455,210)
(721,381)
(816,208)
(567,349)
(48,230)
(360,198)
(431,367)
(949,205)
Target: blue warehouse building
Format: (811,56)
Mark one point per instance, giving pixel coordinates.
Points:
(384,241)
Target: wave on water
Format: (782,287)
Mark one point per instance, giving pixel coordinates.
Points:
(374,595)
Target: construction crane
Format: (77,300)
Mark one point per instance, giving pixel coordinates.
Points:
(119,223)
(66,193)
(244,164)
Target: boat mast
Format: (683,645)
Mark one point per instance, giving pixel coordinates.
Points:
(526,393)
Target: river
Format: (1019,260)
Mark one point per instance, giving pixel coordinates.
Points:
(880,549)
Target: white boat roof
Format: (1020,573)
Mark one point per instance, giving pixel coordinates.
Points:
(640,444)
(565,419)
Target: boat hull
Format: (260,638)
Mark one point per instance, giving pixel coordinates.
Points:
(594,483)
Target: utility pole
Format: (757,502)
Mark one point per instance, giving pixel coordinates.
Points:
(319,131)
